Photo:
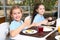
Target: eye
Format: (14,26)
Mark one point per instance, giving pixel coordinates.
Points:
(18,12)
(40,8)
(14,13)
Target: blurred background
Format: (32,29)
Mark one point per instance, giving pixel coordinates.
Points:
(51,7)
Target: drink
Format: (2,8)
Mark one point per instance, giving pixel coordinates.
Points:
(58,29)
(40,29)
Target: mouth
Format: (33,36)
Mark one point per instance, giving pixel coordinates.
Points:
(17,17)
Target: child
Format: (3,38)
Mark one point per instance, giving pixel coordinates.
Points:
(17,24)
(37,16)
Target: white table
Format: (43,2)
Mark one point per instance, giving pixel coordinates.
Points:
(23,37)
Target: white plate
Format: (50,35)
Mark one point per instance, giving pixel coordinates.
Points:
(47,29)
(57,37)
(29,31)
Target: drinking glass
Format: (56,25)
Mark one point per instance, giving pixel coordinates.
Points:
(40,29)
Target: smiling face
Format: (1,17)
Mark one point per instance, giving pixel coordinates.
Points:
(16,14)
(41,9)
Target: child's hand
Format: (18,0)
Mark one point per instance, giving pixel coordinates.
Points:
(50,19)
(27,22)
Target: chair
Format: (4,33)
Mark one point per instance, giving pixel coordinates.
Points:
(4,30)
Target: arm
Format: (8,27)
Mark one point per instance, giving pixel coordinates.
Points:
(38,24)
(42,22)
(17,31)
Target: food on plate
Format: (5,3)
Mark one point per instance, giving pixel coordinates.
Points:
(29,31)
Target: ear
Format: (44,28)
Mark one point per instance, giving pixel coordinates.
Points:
(11,16)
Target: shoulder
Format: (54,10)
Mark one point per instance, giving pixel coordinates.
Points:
(37,16)
(13,22)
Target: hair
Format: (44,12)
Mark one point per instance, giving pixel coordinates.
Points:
(14,7)
(34,10)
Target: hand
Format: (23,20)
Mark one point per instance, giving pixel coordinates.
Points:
(50,19)
(27,21)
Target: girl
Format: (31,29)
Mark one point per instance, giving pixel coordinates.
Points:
(37,17)
(17,24)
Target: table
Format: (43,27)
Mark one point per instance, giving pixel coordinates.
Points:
(52,36)
(39,35)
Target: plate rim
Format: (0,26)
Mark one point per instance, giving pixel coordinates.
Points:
(56,36)
(47,30)
(29,33)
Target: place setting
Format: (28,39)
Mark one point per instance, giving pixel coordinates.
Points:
(57,37)
(38,29)
(29,31)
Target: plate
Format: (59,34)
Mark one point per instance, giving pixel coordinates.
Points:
(29,31)
(47,29)
(57,37)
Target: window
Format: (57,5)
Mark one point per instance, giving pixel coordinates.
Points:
(6,5)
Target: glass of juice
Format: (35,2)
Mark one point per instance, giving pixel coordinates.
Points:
(40,29)
(58,29)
